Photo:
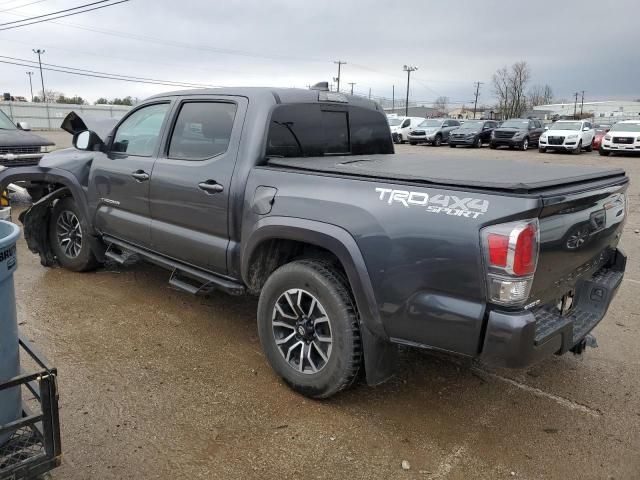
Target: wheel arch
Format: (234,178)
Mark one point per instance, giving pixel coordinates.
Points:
(379,353)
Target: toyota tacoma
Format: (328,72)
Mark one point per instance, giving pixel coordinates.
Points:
(297,196)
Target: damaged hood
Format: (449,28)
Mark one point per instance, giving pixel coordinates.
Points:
(79,122)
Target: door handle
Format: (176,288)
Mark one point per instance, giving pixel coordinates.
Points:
(140,176)
(211,187)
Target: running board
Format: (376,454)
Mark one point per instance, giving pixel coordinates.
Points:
(183,277)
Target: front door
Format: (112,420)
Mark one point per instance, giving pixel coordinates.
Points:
(119,178)
(191,181)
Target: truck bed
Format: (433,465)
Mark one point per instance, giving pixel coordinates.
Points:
(508,176)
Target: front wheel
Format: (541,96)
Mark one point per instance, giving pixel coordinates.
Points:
(452,145)
(603,152)
(400,140)
(589,148)
(437,141)
(525,144)
(542,149)
(413,143)
(69,239)
(478,143)
(308,328)
(493,146)
(578,149)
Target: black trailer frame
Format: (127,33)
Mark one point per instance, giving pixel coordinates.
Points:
(34,446)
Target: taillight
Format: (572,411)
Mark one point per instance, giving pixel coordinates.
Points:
(511,255)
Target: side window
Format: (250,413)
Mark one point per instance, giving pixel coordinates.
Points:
(454,123)
(202,130)
(406,123)
(538,124)
(587,125)
(445,124)
(140,132)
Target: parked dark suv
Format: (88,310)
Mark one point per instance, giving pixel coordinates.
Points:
(472,133)
(517,132)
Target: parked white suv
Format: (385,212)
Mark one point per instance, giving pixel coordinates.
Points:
(401,126)
(623,137)
(569,135)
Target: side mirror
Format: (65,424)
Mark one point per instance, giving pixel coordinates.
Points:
(86,140)
(23,126)
(585,129)
(546,128)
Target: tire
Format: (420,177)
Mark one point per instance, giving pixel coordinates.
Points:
(603,152)
(437,142)
(524,146)
(578,149)
(493,146)
(66,223)
(317,375)
(478,143)
(452,145)
(542,149)
(400,140)
(589,148)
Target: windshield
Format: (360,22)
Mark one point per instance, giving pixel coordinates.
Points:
(566,126)
(626,127)
(394,122)
(473,124)
(515,124)
(431,123)
(5,122)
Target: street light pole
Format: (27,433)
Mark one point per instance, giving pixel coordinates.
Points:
(408,69)
(30,85)
(40,52)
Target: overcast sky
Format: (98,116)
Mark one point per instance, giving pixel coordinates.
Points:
(572,45)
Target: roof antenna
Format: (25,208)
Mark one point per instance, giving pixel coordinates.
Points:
(320,86)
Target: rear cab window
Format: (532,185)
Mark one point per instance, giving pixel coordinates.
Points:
(314,130)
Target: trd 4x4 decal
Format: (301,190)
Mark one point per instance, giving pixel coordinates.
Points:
(446,204)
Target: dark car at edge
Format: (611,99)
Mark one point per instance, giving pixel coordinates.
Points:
(520,133)
(472,133)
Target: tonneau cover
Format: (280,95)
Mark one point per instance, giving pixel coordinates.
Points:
(471,172)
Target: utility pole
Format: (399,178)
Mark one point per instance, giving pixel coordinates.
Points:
(339,63)
(581,104)
(393,99)
(352,84)
(30,85)
(475,104)
(369,93)
(506,97)
(575,106)
(40,52)
(408,69)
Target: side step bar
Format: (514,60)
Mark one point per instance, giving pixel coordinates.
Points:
(183,277)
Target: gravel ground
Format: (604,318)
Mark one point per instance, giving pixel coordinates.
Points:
(159,384)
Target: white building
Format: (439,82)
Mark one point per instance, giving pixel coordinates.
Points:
(611,109)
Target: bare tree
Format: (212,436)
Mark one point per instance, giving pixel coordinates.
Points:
(509,84)
(540,95)
(441,104)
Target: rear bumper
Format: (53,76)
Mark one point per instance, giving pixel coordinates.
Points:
(522,338)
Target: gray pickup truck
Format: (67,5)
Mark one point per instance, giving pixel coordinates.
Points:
(297,196)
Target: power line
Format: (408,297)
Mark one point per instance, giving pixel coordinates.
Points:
(62,16)
(53,13)
(20,6)
(108,77)
(83,70)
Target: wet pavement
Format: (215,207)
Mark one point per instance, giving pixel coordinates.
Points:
(156,383)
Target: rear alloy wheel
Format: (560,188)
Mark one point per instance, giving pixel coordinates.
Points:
(525,144)
(68,238)
(578,149)
(437,141)
(308,328)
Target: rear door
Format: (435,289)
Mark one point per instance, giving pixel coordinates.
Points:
(189,191)
(119,179)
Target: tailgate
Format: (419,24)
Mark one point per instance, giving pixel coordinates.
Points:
(578,233)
